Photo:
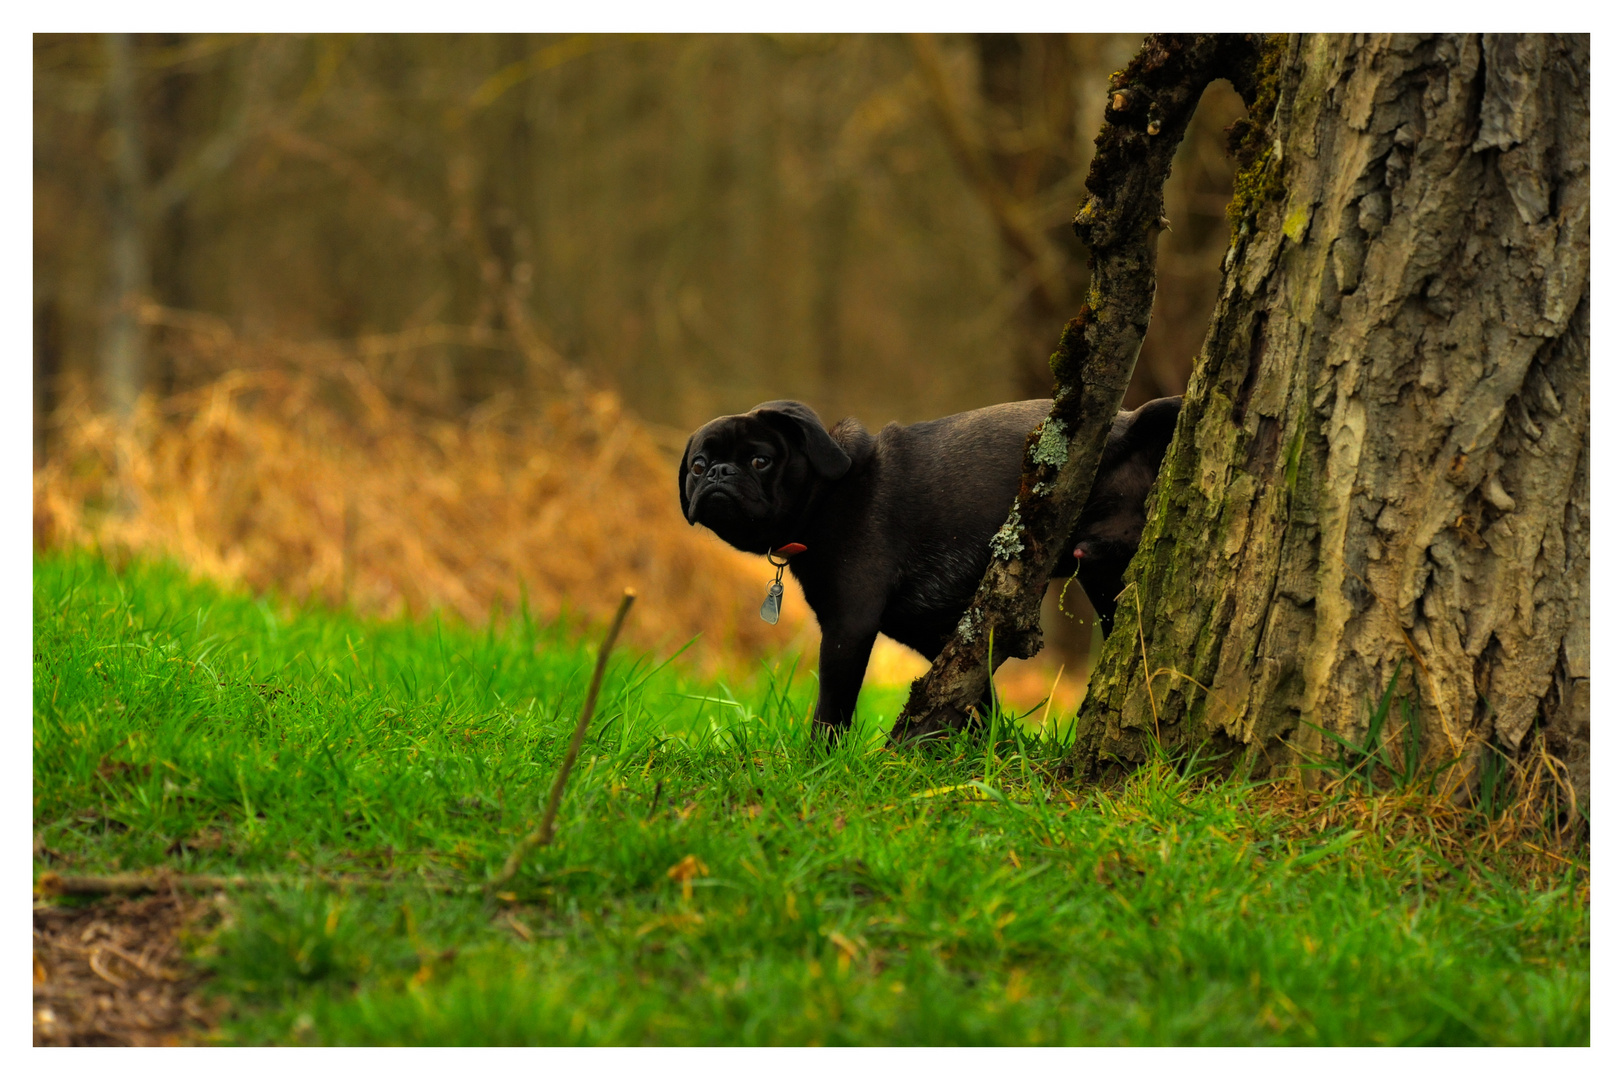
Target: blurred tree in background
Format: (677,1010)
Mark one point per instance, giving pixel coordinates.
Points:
(877,225)
(700,222)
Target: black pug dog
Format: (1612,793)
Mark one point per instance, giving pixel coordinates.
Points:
(891,532)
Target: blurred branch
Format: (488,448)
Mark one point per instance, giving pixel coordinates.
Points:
(333,49)
(422,337)
(212,159)
(501,290)
(347,168)
(531,343)
(542,60)
(967,149)
(216,333)
(1060,198)
(197,48)
(223,149)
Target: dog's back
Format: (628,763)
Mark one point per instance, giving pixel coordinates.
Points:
(944,487)
(956,476)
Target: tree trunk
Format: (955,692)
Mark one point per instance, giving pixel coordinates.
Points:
(123,349)
(1382,460)
(1028,85)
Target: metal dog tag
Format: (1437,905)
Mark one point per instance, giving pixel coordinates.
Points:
(773,601)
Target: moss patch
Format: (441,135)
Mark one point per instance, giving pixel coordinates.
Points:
(1066,360)
(1258,179)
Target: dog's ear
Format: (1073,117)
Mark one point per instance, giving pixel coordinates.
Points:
(682,477)
(1143,434)
(1149,432)
(797,421)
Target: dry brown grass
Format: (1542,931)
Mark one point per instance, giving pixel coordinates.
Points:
(295,472)
(1531,823)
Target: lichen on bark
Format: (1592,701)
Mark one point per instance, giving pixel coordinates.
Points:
(1006,542)
(1050,447)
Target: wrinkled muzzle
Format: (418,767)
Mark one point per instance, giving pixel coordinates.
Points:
(718,502)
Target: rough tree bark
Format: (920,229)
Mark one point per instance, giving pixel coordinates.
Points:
(1149,107)
(1382,459)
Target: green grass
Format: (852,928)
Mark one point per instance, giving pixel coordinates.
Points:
(854,895)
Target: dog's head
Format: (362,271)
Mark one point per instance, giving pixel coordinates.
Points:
(746,477)
(1107,534)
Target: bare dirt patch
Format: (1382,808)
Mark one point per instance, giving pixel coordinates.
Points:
(114,974)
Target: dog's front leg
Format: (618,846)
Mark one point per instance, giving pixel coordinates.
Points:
(841,665)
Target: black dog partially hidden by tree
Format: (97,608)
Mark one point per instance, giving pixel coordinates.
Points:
(892,532)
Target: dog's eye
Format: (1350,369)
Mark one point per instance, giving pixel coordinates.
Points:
(760,462)
(697,468)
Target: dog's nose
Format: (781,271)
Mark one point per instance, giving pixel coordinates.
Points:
(721,470)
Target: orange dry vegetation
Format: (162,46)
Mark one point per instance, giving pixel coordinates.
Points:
(318,486)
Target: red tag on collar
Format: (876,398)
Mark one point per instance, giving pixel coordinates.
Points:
(789,549)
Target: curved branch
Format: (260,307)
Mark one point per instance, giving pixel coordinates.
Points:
(1149,108)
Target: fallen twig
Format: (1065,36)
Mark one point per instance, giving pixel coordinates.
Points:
(542,835)
(54,884)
